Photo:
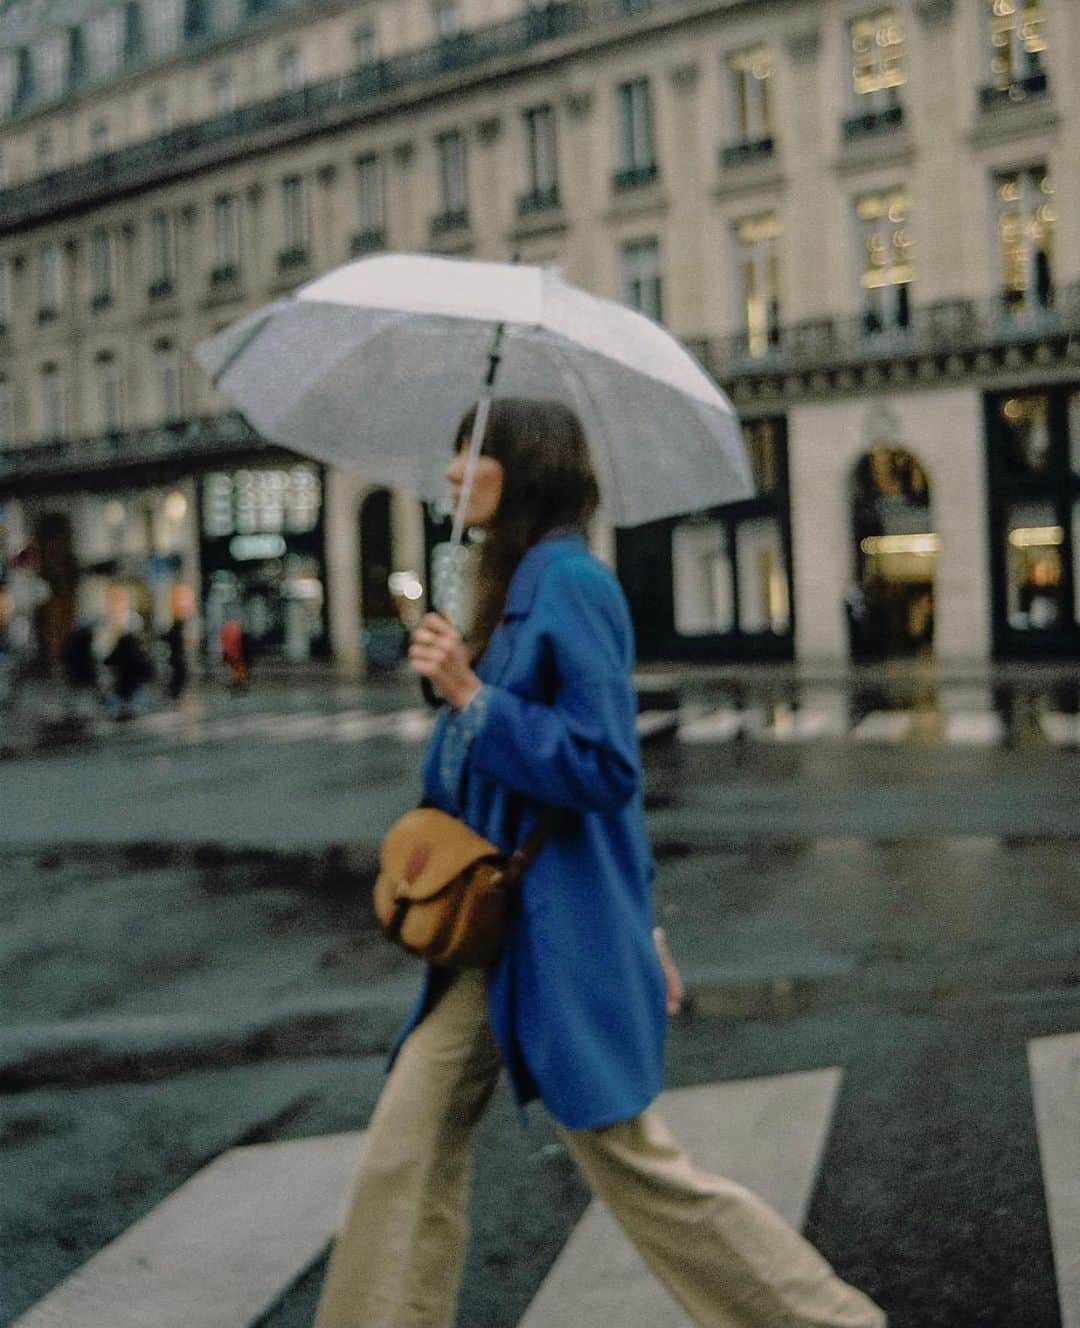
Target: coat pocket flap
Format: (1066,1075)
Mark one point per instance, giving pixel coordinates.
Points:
(426,849)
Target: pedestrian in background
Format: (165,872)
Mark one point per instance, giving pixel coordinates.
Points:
(176,659)
(80,667)
(131,668)
(234,653)
(539,713)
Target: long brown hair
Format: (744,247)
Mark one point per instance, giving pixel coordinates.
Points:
(548,484)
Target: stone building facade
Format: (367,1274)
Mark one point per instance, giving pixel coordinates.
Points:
(863,217)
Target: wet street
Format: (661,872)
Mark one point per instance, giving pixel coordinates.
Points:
(872,885)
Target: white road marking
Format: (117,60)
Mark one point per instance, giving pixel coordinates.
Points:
(221,1250)
(804,724)
(974,728)
(1062,730)
(1055,1083)
(651,722)
(883,726)
(767,1133)
(718,726)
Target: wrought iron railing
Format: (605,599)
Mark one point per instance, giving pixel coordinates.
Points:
(867,124)
(183,440)
(1036,84)
(946,328)
(747,151)
(544,199)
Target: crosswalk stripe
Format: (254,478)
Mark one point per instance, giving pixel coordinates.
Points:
(766,1133)
(883,726)
(720,725)
(1061,729)
(220,1250)
(1055,1083)
(973,728)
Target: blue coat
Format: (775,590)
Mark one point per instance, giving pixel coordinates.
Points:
(577,997)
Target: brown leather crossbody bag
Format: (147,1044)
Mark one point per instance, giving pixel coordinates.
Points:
(444,892)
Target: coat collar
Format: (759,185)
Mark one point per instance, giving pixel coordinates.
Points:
(554,545)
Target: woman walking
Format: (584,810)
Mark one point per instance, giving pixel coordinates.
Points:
(538,726)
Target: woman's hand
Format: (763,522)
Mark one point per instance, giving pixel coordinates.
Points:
(438,654)
(675,988)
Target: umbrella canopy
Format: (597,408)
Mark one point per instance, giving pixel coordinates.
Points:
(372,366)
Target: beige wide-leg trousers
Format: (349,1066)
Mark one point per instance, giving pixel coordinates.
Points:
(721,1252)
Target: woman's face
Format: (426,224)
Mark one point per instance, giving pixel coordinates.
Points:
(486,489)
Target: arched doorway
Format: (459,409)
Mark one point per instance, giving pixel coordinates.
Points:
(890,602)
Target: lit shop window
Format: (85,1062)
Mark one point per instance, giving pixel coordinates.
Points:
(1026,434)
(261,501)
(1017,42)
(1026,219)
(703,578)
(763,587)
(1034,589)
(877,54)
(751,83)
(886,258)
(765,450)
(757,242)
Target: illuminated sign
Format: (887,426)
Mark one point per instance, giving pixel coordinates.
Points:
(245,548)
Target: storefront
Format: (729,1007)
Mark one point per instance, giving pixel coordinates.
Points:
(1033,468)
(263,558)
(717,585)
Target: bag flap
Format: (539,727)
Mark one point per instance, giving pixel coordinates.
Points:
(426,849)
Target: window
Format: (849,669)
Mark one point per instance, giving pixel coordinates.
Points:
(762,576)
(291,70)
(105,42)
(8,82)
(51,60)
(447,18)
(158,113)
(169,381)
(369,194)
(636,148)
(885,252)
(44,150)
(7,414)
(703,581)
(1026,216)
(49,282)
(226,237)
(757,242)
(540,157)
(99,136)
(5,294)
(365,45)
(294,213)
(877,54)
(1035,582)
(53,406)
(222,92)
(162,251)
(1017,42)
(1024,429)
(109,393)
(765,448)
(751,82)
(101,268)
(3,170)
(453,180)
(164,20)
(640,275)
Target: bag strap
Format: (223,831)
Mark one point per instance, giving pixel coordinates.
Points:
(523,858)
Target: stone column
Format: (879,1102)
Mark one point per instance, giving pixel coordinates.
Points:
(806,287)
(932,101)
(341,502)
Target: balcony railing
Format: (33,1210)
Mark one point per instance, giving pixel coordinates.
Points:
(296,256)
(160,289)
(746,152)
(867,124)
(101,300)
(1036,84)
(445,223)
(173,154)
(946,328)
(635,177)
(202,437)
(538,200)
(367,241)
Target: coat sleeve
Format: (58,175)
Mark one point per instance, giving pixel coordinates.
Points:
(580,751)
